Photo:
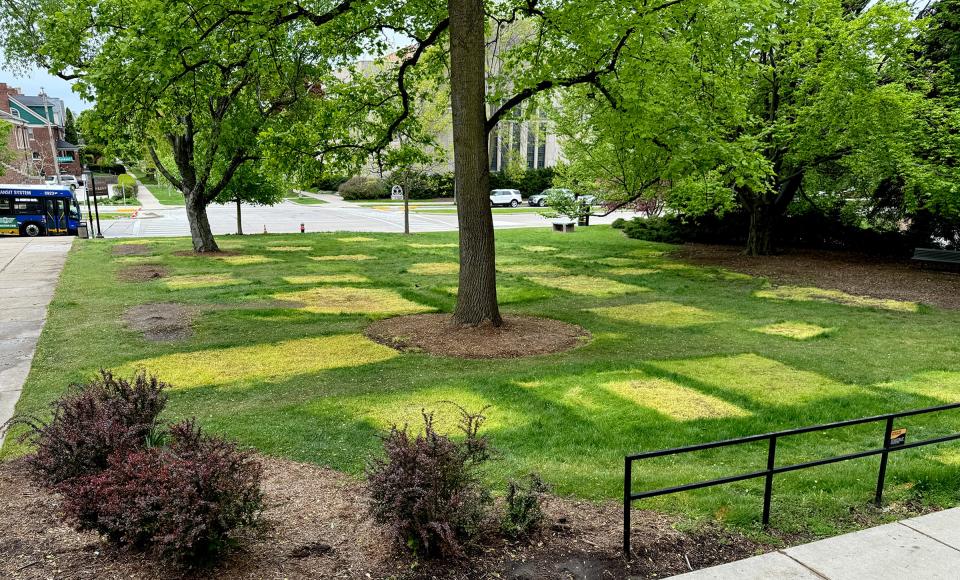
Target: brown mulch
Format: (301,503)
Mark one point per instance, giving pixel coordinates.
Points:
(142,273)
(161,322)
(899,279)
(317,527)
(518,336)
(132,250)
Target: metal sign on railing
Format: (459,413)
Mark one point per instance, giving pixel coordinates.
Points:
(893,440)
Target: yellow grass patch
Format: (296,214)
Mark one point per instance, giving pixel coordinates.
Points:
(434,268)
(759,379)
(531,269)
(135,259)
(676,266)
(794,330)
(616,261)
(290,248)
(659,314)
(245,260)
(348,300)
(540,248)
(201,281)
(326,279)
(266,362)
(646,253)
(632,271)
(343,257)
(808,294)
(673,400)
(431,246)
(357,239)
(407,409)
(940,385)
(587,285)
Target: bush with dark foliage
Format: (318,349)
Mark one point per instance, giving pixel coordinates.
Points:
(104,417)
(523,513)
(655,229)
(427,488)
(361,187)
(187,502)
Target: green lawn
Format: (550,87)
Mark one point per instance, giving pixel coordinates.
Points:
(166,194)
(679,355)
(304,200)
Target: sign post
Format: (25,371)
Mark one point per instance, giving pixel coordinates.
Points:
(397,192)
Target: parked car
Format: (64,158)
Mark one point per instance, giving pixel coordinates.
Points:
(64,180)
(509,197)
(540,199)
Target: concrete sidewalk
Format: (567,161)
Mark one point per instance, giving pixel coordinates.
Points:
(29,271)
(922,548)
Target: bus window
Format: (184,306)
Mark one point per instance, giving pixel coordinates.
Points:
(26,206)
(6,206)
(75,211)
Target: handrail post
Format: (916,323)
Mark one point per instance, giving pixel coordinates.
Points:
(768,483)
(627,492)
(883,460)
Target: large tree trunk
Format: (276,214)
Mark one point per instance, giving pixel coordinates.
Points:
(477,294)
(239,221)
(199,225)
(760,236)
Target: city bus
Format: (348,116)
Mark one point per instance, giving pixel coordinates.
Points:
(38,210)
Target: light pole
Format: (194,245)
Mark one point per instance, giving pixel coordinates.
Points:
(87,186)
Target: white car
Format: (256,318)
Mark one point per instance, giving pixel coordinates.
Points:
(509,197)
(64,180)
(540,199)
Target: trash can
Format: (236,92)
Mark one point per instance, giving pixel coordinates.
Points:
(82,231)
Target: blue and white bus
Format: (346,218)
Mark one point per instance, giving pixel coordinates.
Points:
(38,210)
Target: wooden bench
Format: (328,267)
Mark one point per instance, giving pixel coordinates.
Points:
(939,256)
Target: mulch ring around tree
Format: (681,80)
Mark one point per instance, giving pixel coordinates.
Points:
(132,250)
(317,527)
(142,273)
(518,336)
(161,322)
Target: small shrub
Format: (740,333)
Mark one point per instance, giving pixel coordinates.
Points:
(523,514)
(360,187)
(619,224)
(654,229)
(90,423)
(187,502)
(427,488)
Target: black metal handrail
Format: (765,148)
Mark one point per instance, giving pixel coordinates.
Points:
(771,469)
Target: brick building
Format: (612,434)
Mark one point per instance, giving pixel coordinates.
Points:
(42,119)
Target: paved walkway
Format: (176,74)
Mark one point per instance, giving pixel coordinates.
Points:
(29,270)
(922,548)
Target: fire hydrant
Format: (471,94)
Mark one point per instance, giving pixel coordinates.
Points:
(302,229)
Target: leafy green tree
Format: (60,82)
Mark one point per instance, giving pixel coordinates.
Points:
(5,153)
(203,85)
(254,185)
(70,128)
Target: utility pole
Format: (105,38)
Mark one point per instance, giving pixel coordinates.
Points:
(53,138)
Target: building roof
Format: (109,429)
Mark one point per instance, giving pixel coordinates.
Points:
(10,118)
(61,144)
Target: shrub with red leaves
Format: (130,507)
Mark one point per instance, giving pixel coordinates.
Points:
(187,502)
(427,488)
(90,423)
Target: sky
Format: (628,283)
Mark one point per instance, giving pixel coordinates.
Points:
(31,82)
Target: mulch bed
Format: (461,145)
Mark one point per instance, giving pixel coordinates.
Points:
(317,527)
(161,322)
(518,336)
(132,250)
(142,273)
(852,273)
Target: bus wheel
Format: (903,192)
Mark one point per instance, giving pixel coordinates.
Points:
(31,230)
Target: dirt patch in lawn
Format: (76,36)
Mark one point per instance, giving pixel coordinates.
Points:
(318,527)
(132,250)
(142,273)
(161,322)
(519,336)
(860,274)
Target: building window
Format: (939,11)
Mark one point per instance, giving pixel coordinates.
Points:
(30,132)
(36,156)
(493,150)
(542,152)
(531,146)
